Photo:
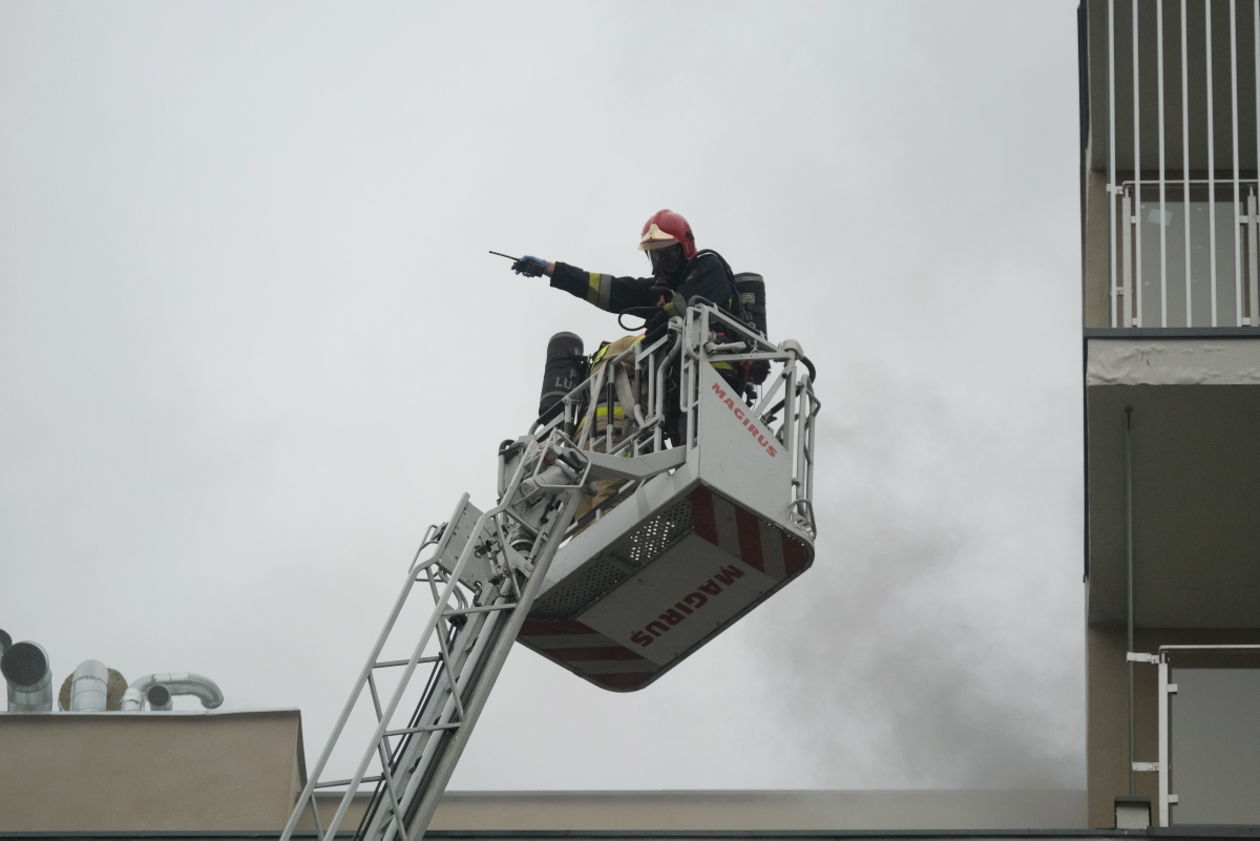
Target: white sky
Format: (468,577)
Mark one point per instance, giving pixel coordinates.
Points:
(251,345)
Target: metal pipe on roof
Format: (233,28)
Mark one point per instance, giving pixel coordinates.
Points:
(89,687)
(159,697)
(177,683)
(26,670)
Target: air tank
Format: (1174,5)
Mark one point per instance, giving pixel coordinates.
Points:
(751,288)
(565,368)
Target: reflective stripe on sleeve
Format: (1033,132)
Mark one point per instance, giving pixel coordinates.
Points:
(598,290)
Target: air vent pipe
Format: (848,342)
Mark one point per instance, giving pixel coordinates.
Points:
(25,668)
(159,697)
(89,687)
(177,683)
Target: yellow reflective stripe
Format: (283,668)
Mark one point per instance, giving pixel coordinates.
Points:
(598,290)
(602,412)
(724,366)
(607,346)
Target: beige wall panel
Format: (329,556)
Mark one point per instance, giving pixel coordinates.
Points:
(148,771)
(1096,277)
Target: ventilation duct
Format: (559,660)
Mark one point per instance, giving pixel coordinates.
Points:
(178,683)
(115,686)
(25,668)
(89,687)
(159,697)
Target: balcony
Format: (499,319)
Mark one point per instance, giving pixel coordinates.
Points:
(1172,299)
(1170,138)
(1173,478)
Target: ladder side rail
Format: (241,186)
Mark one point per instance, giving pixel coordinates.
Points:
(424,763)
(436,709)
(437,669)
(442,599)
(448,592)
(479,690)
(306,798)
(389,760)
(404,684)
(393,784)
(439,749)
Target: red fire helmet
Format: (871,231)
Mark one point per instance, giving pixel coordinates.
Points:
(666,228)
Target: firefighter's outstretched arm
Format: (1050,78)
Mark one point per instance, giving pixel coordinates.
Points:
(532,266)
(610,293)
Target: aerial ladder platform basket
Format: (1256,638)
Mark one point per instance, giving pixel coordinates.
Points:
(615,550)
(720,523)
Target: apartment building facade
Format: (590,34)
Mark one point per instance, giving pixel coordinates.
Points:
(1171,293)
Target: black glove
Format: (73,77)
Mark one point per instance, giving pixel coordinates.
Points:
(530,266)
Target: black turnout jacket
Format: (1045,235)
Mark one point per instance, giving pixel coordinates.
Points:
(706,275)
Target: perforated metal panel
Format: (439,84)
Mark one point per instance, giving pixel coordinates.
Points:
(650,540)
(595,578)
(604,572)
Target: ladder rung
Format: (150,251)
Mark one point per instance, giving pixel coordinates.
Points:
(464,611)
(376,778)
(424,728)
(382,664)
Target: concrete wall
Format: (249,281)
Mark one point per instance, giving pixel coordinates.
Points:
(148,771)
(1096,279)
(230,772)
(649,811)
(771,811)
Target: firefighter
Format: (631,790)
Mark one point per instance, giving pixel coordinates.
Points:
(679,272)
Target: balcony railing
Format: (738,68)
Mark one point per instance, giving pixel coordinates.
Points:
(1176,111)
(1209,735)
(1188,254)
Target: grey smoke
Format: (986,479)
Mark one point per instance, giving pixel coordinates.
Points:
(253,345)
(930,638)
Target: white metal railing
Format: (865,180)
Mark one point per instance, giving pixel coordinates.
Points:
(1237,731)
(1172,263)
(662,401)
(1188,255)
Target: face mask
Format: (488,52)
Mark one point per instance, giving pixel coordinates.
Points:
(665,261)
